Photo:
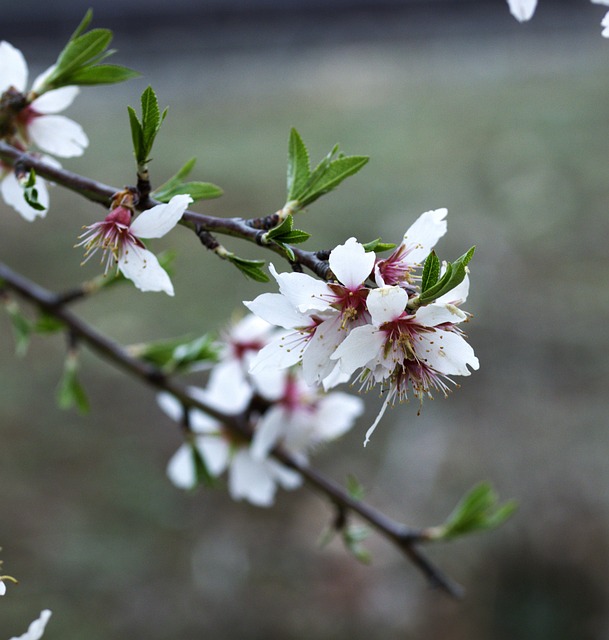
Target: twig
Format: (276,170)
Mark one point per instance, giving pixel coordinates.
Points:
(405,538)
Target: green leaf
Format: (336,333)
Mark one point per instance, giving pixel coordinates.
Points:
(102,74)
(196,190)
(453,276)
(30,192)
(250,268)
(84,23)
(354,488)
(298,165)
(147,127)
(70,392)
(431,272)
(177,355)
(329,176)
(202,473)
(478,510)
(378,246)
(46,323)
(22,327)
(284,234)
(284,227)
(137,134)
(353,536)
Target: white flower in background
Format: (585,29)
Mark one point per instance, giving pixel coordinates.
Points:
(316,314)
(416,245)
(221,449)
(605,20)
(304,417)
(37,122)
(36,628)
(12,191)
(120,239)
(402,350)
(522,10)
(2,588)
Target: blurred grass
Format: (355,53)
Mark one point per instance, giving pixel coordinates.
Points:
(511,135)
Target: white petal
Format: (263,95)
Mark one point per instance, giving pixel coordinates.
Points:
(605,2)
(201,423)
(522,10)
(181,468)
(12,194)
(335,377)
(13,68)
(316,362)
(360,347)
(278,310)
(386,304)
(268,432)
(170,405)
(40,80)
(458,295)
(226,392)
(156,222)
(143,269)
(55,101)
(605,25)
(250,328)
(435,314)
(250,479)
(304,292)
(335,415)
(424,233)
(2,588)
(215,452)
(287,478)
(283,352)
(351,263)
(446,351)
(36,628)
(58,135)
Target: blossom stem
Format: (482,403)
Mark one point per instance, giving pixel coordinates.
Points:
(407,539)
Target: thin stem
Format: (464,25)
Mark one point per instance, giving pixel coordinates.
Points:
(405,538)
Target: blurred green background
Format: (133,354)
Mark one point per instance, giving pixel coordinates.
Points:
(504,124)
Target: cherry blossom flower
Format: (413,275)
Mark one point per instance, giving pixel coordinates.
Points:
(405,350)
(416,245)
(36,629)
(316,314)
(34,116)
(120,239)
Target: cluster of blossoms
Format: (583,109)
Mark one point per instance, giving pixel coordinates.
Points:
(368,321)
(30,117)
(282,410)
(523,10)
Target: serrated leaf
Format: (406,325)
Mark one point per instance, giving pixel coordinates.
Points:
(284,227)
(296,236)
(353,536)
(298,165)
(250,268)
(431,271)
(288,250)
(332,175)
(476,511)
(70,393)
(196,190)
(453,276)
(137,134)
(30,192)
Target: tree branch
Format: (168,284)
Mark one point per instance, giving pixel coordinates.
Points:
(407,539)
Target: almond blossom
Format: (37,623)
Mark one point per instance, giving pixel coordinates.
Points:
(522,10)
(120,239)
(316,314)
(32,118)
(403,350)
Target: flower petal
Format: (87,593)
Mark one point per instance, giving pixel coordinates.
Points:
(351,263)
(285,351)
(268,432)
(13,68)
(215,452)
(36,628)
(55,101)
(250,479)
(446,351)
(522,10)
(181,468)
(386,304)
(360,347)
(316,362)
(424,233)
(435,314)
(143,269)
(156,222)
(278,310)
(58,135)
(304,292)
(12,193)
(336,413)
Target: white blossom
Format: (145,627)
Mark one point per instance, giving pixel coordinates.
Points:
(120,239)
(36,629)
(38,121)
(522,10)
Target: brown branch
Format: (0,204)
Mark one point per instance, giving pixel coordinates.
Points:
(407,539)
(199,223)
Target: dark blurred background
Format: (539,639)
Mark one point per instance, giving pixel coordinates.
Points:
(459,106)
